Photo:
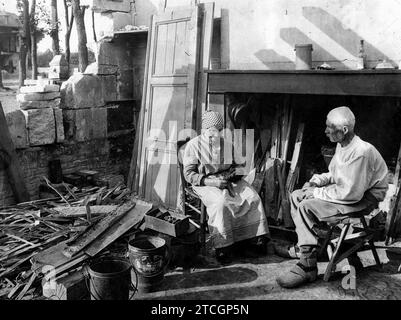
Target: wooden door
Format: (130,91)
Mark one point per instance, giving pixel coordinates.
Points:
(170,101)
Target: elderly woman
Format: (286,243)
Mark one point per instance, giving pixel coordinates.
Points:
(234,208)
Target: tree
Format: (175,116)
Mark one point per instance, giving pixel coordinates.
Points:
(79,14)
(69,21)
(54,28)
(34,44)
(23,8)
(34,28)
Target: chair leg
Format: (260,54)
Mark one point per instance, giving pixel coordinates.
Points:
(326,242)
(203,228)
(371,244)
(332,262)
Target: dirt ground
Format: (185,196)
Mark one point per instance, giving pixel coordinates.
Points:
(254,279)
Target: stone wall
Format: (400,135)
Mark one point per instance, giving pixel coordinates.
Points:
(78,126)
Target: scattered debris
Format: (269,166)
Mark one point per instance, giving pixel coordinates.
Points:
(52,237)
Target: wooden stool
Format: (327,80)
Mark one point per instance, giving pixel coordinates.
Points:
(361,241)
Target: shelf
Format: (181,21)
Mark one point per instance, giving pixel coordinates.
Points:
(377,82)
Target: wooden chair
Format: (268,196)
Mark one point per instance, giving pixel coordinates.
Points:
(361,239)
(190,201)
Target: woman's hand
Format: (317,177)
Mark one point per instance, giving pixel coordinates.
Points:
(215,182)
(308,185)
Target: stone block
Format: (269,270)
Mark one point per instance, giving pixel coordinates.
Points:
(40,88)
(109,88)
(24,97)
(40,104)
(82,91)
(99,123)
(33,82)
(108,5)
(69,123)
(83,124)
(125,84)
(58,116)
(104,69)
(17,128)
(41,126)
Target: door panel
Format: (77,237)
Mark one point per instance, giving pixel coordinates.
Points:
(170,101)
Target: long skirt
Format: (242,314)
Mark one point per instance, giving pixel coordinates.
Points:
(233,219)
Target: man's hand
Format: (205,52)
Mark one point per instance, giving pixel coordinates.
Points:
(308,185)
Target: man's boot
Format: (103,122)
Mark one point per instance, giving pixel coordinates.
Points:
(303,272)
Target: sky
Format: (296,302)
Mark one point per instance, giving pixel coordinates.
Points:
(46,43)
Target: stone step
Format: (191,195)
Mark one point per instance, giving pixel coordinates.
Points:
(23,97)
(33,82)
(40,88)
(25,105)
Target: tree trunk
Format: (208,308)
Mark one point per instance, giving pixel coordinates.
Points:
(34,45)
(1,79)
(54,28)
(79,13)
(93,26)
(34,56)
(22,63)
(24,42)
(68,23)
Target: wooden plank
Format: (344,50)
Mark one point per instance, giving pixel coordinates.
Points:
(80,211)
(397,170)
(394,204)
(135,169)
(274,145)
(14,290)
(129,220)
(287,138)
(292,176)
(71,286)
(270,188)
(27,286)
(14,172)
(57,237)
(284,209)
(204,61)
(97,229)
(16,265)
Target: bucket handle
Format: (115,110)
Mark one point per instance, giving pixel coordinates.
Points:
(87,277)
(167,257)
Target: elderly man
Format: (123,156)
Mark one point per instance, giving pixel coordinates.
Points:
(357,180)
(234,208)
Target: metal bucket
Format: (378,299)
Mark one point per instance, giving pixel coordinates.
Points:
(303,56)
(109,279)
(149,255)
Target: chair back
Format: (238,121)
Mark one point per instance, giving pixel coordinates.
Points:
(184,184)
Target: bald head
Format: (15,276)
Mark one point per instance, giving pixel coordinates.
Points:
(342,117)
